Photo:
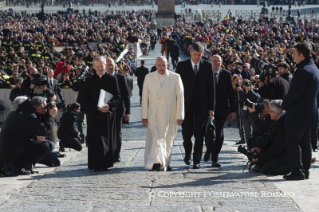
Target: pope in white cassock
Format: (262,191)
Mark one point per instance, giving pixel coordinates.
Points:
(162,112)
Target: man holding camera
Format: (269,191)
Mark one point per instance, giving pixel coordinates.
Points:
(301,106)
(22,137)
(273,157)
(283,71)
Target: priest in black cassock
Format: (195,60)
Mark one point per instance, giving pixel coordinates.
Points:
(101,121)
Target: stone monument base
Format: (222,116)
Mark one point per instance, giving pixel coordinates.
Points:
(165,21)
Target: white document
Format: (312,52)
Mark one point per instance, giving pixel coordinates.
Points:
(105,97)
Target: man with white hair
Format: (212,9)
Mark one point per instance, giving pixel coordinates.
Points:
(162,112)
(101,120)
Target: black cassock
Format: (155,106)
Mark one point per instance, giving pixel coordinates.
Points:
(101,126)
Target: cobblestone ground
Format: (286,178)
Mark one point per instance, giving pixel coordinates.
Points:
(129,187)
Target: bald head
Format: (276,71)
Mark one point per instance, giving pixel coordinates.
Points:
(161,64)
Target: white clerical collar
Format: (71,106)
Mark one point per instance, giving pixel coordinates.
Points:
(100,76)
(161,75)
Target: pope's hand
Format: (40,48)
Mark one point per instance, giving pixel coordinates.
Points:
(144,122)
(179,121)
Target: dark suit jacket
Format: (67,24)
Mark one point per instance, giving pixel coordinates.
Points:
(56,89)
(206,84)
(129,81)
(175,51)
(140,73)
(125,105)
(153,68)
(224,94)
(301,100)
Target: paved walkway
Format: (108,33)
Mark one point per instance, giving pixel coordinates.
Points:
(129,187)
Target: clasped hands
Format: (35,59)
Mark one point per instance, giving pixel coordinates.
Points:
(104,108)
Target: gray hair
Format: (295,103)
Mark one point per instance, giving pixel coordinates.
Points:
(197,47)
(37,102)
(276,106)
(18,100)
(100,58)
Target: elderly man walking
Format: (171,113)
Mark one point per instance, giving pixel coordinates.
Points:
(162,112)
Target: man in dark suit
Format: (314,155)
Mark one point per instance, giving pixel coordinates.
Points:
(199,93)
(168,43)
(123,109)
(225,96)
(129,81)
(53,84)
(174,53)
(153,69)
(140,73)
(301,106)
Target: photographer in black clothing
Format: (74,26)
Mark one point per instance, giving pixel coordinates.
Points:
(22,137)
(274,88)
(68,135)
(274,158)
(283,71)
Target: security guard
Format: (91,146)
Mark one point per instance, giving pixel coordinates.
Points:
(46,55)
(89,59)
(20,53)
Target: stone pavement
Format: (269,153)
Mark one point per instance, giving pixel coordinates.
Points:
(129,187)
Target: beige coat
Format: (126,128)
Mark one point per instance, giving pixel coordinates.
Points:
(162,106)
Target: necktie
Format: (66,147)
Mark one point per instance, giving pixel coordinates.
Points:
(195,69)
(51,83)
(215,75)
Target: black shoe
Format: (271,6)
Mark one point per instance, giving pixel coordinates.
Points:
(118,159)
(196,166)
(240,142)
(207,156)
(187,159)
(62,146)
(216,164)
(295,176)
(156,167)
(169,168)
(315,150)
(256,169)
(22,172)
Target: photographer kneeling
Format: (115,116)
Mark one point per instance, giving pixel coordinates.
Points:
(67,133)
(274,159)
(22,137)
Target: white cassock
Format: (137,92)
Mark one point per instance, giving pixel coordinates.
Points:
(162,105)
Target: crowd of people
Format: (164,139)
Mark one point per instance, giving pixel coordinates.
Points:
(243,69)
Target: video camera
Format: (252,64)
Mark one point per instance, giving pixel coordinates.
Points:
(38,80)
(60,105)
(264,68)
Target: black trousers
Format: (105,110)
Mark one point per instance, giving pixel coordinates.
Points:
(272,167)
(194,124)
(80,123)
(174,61)
(140,92)
(217,146)
(31,152)
(299,147)
(314,133)
(73,143)
(118,126)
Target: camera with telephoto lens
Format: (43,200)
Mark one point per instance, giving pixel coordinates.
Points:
(84,71)
(38,80)
(60,105)
(250,155)
(264,68)
(258,106)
